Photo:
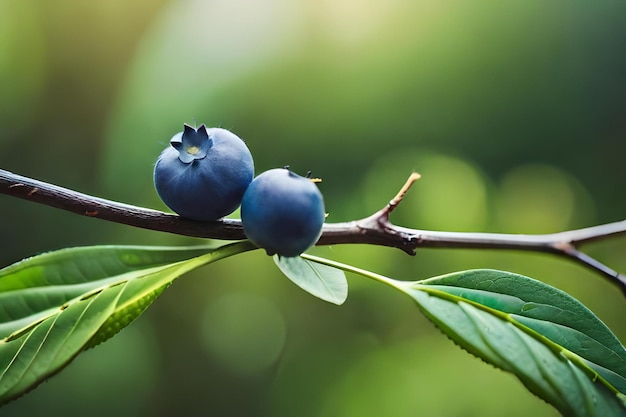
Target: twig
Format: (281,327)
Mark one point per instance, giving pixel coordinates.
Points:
(376,229)
(400,196)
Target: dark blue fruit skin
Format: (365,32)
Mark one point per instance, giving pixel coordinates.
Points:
(204,173)
(282,212)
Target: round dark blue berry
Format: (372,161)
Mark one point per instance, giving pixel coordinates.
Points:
(204,172)
(283,212)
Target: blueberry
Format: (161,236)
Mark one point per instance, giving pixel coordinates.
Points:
(283,212)
(204,173)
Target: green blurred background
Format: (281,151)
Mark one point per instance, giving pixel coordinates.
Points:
(513,112)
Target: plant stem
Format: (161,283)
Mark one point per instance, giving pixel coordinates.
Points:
(373,230)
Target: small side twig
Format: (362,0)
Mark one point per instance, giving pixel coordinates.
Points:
(405,189)
(374,230)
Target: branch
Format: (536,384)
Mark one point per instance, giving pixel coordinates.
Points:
(374,230)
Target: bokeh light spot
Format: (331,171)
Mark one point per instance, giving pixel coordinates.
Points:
(539,199)
(451,195)
(245,333)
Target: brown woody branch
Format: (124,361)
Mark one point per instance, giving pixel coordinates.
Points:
(376,229)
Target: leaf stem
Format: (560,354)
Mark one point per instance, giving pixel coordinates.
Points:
(355,270)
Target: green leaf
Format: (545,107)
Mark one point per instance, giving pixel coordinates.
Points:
(545,370)
(546,310)
(325,282)
(556,346)
(55,305)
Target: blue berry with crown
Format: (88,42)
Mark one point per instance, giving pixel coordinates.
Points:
(204,173)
